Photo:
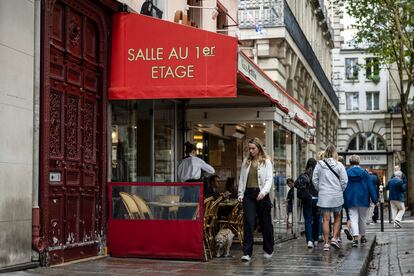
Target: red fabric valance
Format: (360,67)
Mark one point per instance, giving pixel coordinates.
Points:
(157,59)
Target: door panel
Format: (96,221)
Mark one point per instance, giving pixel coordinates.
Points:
(73,129)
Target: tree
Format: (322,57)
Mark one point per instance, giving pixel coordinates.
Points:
(385,28)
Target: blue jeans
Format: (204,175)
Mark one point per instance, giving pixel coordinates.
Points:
(312,217)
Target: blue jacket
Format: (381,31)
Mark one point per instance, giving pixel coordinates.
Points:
(397,189)
(360,188)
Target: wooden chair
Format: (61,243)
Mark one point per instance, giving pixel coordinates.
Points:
(143,207)
(132,208)
(206,245)
(172,211)
(209,225)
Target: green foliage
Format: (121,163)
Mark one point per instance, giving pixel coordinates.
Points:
(374,78)
(385,28)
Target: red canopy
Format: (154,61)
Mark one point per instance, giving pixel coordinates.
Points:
(157,59)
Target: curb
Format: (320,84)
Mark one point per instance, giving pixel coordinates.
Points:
(357,262)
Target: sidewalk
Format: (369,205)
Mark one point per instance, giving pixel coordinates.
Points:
(290,258)
(394,253)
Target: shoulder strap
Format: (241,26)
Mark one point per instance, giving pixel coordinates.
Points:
(331,169)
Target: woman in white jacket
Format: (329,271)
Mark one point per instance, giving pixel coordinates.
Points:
(330,180)
(256,179)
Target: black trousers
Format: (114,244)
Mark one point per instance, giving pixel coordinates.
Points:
(261,208)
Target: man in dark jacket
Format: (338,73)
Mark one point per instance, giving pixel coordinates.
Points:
(397,188)
(377,183)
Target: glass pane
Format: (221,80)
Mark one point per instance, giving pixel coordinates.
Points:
(349,101)
(380,144)
(164,123)
(155,202)
(376,100)
(352,144)
(371,141)
(369,101)
(362,140)
(355,101)
(131,137)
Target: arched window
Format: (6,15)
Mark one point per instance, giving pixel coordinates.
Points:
(364,141)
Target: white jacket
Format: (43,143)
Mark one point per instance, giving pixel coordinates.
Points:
(264,177)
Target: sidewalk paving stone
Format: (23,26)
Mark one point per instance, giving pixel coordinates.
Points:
(290,258)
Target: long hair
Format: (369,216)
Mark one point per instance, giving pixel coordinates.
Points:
(261,156)
(330,152)
(310,165)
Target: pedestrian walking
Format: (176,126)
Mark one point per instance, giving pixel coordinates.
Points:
(358,193)
(330,180)
(289,199)
(376,180)
(309,197)
(255,182)
(397,188)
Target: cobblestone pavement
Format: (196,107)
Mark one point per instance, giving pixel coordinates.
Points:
(290,258)
(394,252)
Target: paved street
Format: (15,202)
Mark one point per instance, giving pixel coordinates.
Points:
(393,255)
(290,258)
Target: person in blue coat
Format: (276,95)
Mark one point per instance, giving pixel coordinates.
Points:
(357,196)
(397,188)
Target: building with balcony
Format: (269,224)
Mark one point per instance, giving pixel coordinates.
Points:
(292,42)
(370,124)
(70,140)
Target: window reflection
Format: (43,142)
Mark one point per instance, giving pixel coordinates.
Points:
(156,202)
(143,141)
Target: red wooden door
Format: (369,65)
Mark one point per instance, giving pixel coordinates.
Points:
(73,127)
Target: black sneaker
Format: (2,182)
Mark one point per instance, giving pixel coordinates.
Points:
(363,240)
(398,223)
(348,234)
(355,243)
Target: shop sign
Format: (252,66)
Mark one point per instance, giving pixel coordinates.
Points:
(370,159)
(156,59)
(262,80)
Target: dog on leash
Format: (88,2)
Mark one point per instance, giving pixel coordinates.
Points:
(224,239)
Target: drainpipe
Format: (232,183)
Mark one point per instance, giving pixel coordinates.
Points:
(37,242)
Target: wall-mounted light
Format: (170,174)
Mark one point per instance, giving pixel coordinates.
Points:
(289,117)
(310,134)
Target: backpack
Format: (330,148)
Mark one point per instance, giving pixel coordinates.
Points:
(302,184)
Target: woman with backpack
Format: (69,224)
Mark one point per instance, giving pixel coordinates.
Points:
(330,180)
(309,197)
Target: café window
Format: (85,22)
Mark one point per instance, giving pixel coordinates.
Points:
(143,141)
(352,101)
(351,68)
(372,100)
(367,141)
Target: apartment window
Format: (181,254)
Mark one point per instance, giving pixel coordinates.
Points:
(222,22)
(352,101)
(351,68)
(195,14)
(372,100)
(372,68)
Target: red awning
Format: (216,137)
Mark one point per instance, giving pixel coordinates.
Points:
(157,59)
